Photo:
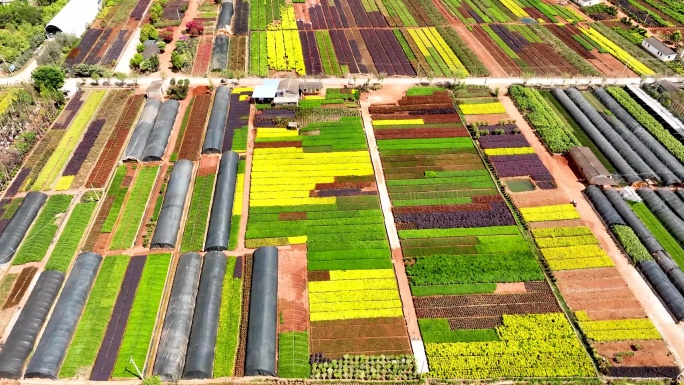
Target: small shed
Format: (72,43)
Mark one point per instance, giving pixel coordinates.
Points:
(590,167)
(658,49)
(289,87)
(154,91)
(150,50)
(266,92)
(310,88)
(286,101)
(587,3)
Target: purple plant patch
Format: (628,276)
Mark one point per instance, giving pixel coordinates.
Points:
(81,152)
(497,215)
(17,183)
(237,272)
(501,141)
(521,165)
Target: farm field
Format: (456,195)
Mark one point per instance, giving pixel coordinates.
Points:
(453,224)
(428,219)
(329,183)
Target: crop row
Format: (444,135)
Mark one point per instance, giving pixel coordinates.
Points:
(617,330)
(546,337)
(67,244)
(198,214)
(115,105)
(258,54)
(482,109)
(376,290)
(549,213)
(229,321)
(112,148)
(192,138)
(53,167)
(91,328)
(544,120)
(129,222)
(143,316)
(37,242)
(437,52)
(619,53)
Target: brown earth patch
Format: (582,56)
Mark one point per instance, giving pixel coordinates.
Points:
(370,336)
(510,288)
(651,353)
(538,198)
(207,165)
(320,275)
(20,287)
(602,293)
(293,303)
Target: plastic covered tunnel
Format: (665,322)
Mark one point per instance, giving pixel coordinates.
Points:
(16,229)
(168,224)
(52,347)
(176,331)
(668,293)
(260,354)
(20,341)
(161,131)
(199,362)
(143,130)
(219,53)
(218,233)
(213,141)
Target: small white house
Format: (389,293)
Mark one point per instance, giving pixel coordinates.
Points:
(586,3)
(658,49)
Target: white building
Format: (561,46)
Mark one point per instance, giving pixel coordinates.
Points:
(658,49)
(586,3)
(74,18)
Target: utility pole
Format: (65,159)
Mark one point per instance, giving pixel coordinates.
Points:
(136,368)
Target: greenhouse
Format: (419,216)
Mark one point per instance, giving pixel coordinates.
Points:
(222,207)
(16,229)
(168,224)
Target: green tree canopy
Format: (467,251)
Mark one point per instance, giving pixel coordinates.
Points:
(48,77)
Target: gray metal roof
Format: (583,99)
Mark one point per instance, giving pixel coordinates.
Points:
(657,44)
(590,167)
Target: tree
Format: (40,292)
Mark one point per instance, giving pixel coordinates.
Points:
(108,74)
(154,63)
(161,45)
(148,32)
(676,36)
(166,35)
(136,60)
(48,77)
(121,77)
(177,60)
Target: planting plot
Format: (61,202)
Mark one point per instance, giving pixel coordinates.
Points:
(36,243)
(67,244)
(458,239)
(132,214)
(198,213)
(109,349)
(194,132)
(72,136)
(237,206)
(143,316)
(91,329)
(317,188)
(511,155)
(112,148)
(13,298)
(95,138)
(229,319)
